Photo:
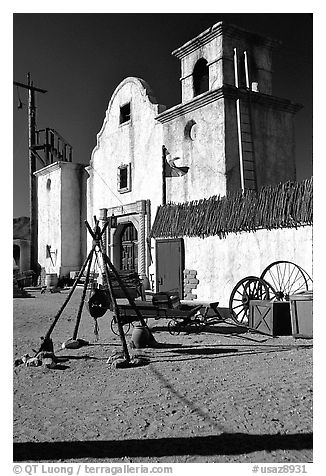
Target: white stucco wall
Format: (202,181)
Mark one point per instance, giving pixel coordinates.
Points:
(221,263)
(138,142)
(71,217)
(49,217)
(203,153)
(60,204)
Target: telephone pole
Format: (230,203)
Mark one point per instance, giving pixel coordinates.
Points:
(32,166)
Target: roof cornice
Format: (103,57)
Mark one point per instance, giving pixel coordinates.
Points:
(225,29)
(195,103)
(230,92)
(272,101)
(58,165)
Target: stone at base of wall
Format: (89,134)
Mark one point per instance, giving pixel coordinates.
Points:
(190,297)
(41,278)
(190,273)
(190,282)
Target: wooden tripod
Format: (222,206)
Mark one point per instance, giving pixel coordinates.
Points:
(97,248)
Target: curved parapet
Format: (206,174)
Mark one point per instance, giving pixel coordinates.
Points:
(133,87)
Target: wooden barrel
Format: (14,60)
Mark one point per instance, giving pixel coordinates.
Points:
(51,280)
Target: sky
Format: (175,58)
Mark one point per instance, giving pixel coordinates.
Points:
(80,59)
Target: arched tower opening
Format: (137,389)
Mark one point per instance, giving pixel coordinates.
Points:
(200,77)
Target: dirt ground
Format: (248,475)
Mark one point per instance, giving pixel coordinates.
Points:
(222,395)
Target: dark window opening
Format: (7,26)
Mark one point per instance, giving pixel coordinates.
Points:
(200,77)
(123,178)
(242,71)
(17,255)
(253,71)
(125,113)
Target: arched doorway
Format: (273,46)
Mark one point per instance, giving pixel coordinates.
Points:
(129,248)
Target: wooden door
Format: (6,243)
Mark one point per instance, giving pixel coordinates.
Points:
(169,265)
(129,248)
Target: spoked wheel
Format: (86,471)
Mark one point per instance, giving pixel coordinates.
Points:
(174,328)
(115,329)
(286,278)
(244,291)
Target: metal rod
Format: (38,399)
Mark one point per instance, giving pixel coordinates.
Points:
(236,82)
(56,318)
(97,234)
(115,305)
(246,68)
(235,61)
(163,175)
(82,301)
(47,146)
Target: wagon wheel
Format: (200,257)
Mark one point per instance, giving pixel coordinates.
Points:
(174,328)
(286,278)
(115,329)
(247,289)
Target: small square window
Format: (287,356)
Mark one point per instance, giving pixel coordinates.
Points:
(124,179)
(125,113)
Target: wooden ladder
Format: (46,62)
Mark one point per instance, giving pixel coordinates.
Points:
(248,175)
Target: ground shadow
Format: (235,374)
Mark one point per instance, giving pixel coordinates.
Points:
(164,345)
(66,358)
(206,350)
(102,344)
(223,444)
(222,351)
(228,330)
(213,329)
(222,329)
(215,355)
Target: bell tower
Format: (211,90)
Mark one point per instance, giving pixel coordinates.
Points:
(209,60)
(240,134)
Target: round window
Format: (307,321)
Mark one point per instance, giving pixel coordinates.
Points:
(191,130)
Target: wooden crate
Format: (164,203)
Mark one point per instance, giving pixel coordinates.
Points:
(301,314)
(272,318)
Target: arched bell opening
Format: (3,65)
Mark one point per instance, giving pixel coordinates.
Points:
(200,77)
